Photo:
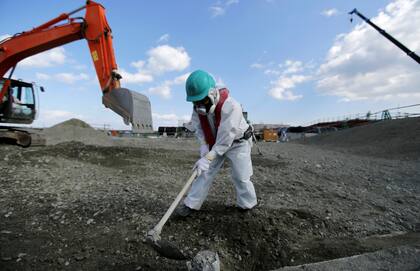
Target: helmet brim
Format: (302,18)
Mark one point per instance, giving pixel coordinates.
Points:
(196,98)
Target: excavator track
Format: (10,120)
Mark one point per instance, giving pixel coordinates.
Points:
(20,137)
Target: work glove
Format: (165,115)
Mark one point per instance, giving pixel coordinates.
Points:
(203,164)
(204,149)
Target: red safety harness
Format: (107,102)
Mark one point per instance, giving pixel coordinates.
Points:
(205,125)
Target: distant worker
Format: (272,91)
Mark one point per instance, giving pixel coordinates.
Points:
(284,137)
(223,134)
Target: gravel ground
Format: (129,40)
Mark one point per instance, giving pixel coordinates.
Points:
(82,207)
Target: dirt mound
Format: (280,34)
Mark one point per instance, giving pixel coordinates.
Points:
(393,139)
(76,130)
(72,122)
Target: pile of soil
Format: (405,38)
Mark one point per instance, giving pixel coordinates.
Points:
(75,130)
(393,139)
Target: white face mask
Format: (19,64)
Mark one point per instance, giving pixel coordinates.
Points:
(201,110)
(214,97)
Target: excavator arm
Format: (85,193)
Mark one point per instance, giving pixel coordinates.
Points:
(133,107)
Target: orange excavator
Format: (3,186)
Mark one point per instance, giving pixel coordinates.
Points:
(18,104)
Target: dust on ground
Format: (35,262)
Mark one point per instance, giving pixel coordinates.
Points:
(75,206)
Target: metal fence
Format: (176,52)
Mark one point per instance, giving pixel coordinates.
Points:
(400,112)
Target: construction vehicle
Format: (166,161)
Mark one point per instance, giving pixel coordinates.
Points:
(410,53)
(18,104)
(270,135)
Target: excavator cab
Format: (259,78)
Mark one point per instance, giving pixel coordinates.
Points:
(19,104)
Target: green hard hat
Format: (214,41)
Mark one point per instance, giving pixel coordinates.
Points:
(198,85)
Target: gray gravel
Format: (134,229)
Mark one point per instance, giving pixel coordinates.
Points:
(83,207)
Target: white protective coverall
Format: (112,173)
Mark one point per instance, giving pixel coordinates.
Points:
(232,127)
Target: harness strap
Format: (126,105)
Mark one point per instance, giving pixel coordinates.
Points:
(204,122)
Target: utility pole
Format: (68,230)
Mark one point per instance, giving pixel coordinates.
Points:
(410,53)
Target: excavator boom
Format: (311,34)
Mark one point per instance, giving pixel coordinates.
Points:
(96,30)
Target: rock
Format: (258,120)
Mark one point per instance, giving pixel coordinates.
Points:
(79,257)
(205,260)
(90,221)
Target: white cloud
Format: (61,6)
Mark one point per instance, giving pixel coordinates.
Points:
(181,79)
(220,7)
(288,67)
(169,119)
(257,66)
(138,64)
(42,76)
(217,11)
(330,12)
(138,77)
(282,88)
(50,58)
(161,59)
(165,58)
(230,2)
(289,74)
(164,38)
(70,78)
(80,67)
(363,64)
(66,78)
(164,90)
(293,67)
(272,72)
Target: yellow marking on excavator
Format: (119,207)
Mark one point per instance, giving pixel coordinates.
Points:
(95,56)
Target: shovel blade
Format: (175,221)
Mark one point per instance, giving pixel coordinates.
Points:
(166,249)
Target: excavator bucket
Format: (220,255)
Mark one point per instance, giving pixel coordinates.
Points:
(132,106)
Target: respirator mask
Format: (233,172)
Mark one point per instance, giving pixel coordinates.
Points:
(208,104)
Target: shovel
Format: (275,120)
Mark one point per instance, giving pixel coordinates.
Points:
(165,248)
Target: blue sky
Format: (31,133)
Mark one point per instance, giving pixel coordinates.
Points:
(285,61)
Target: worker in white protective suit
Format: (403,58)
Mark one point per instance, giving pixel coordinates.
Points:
(223,134)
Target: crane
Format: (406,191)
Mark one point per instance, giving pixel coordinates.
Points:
(410,53)
(17,99)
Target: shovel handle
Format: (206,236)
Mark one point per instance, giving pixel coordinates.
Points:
(159,226)
(256,144)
